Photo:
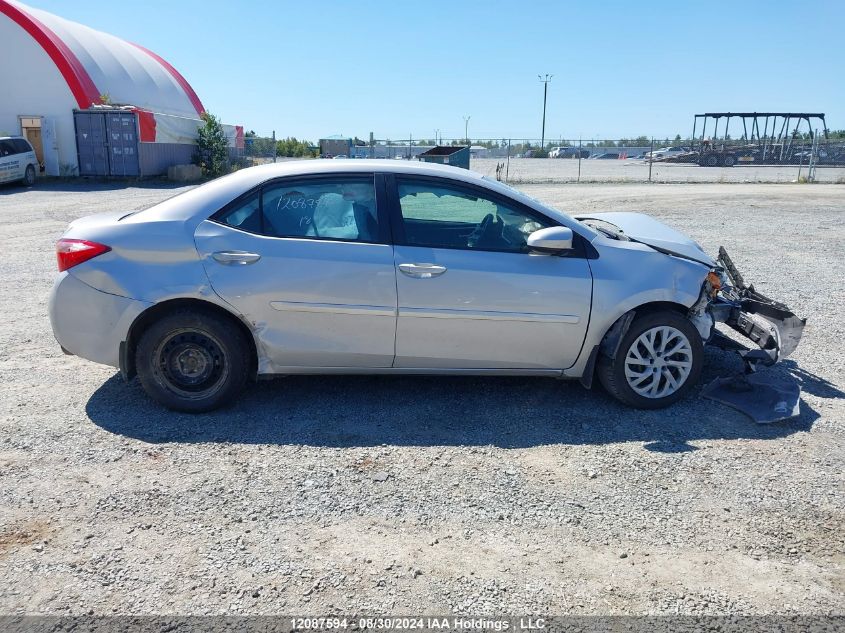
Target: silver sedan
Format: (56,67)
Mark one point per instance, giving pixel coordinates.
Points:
(319,267)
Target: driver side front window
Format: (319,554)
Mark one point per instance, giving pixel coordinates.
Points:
(447,216)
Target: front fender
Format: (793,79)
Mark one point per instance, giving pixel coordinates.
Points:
(631,275)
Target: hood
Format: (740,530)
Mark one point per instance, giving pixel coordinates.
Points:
(645,229)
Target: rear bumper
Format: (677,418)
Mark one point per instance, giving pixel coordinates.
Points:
(90,323)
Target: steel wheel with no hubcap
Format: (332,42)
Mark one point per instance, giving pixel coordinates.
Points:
(191,364)
(193,360)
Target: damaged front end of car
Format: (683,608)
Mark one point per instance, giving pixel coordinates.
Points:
(770,325)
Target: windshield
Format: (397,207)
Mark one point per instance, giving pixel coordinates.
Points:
(514,191)
(545,207)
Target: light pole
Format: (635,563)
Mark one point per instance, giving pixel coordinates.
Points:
(466,128)
(545,94)
(437,136)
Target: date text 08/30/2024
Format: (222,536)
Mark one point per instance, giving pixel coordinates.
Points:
(423,623)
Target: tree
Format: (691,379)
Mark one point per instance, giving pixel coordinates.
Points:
(293,147)
(212,147)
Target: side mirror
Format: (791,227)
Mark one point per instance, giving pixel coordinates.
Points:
(551,240)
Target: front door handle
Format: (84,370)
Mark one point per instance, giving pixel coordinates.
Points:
(422,271)
(235,258)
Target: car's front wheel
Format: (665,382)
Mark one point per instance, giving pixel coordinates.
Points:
(192,361)
(658,361)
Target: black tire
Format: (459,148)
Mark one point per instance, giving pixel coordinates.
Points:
(29,176)
(611,373)
(730,160)
(711,160)
(193,361)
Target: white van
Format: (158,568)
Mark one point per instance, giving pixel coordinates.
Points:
(17,160)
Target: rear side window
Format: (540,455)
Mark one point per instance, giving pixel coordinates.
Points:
(337,208)
(21,146)
(245,214)
(6,148)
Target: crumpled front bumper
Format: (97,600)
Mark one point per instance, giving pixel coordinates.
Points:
(726,298)
(769,324)
(765,397)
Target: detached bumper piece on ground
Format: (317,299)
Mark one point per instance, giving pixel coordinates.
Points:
(765,397)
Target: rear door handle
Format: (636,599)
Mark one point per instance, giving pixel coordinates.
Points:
(422,271)
(236,258)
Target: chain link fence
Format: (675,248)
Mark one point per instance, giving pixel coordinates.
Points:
(636,159)
(641,159)
(254,150)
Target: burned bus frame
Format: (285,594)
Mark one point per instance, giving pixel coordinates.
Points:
(776,144)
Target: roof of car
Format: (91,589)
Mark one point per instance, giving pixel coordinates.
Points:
(305,167)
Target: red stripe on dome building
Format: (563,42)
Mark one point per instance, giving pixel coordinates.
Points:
(78,80)
(186,87)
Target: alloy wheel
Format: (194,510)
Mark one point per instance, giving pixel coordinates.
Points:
(658,362)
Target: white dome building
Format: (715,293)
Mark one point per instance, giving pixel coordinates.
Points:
(56,76)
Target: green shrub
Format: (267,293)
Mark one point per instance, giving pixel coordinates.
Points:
(212,153)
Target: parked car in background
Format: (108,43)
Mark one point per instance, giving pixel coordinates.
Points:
(567,151)
(606,156)
(17,161)
(387,267)
(665,152)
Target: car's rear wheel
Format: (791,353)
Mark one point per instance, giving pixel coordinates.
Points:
(29,176)
(192,361)
(658,361)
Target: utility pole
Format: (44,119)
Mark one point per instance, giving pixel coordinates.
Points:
(545,94)
(437,136)
(466,128)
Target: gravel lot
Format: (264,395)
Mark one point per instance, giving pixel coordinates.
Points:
(428,495)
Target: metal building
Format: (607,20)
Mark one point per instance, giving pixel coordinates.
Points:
(92,103)
(337,145)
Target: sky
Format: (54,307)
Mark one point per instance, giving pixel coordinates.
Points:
(400,68)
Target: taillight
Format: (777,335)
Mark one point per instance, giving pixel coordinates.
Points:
(69,253)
